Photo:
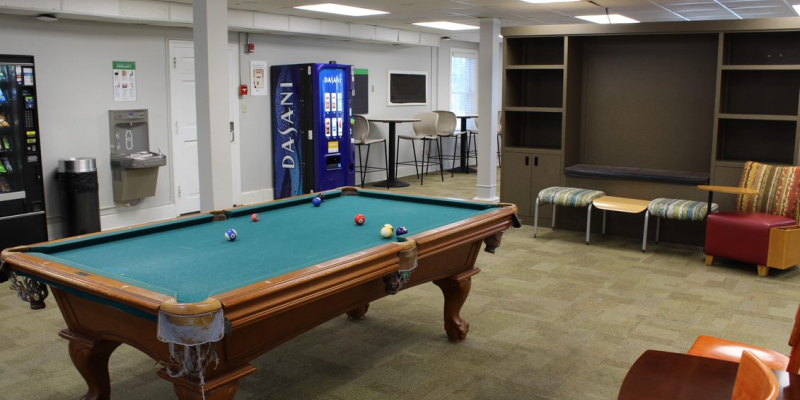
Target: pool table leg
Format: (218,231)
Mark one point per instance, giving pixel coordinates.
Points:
(219,387)
(90,357)
(455,290)
(357,313)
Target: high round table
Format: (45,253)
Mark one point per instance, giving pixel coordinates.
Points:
(392,182)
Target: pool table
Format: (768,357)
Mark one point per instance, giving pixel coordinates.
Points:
(204,307)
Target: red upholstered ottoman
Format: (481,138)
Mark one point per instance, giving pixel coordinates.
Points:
(742,236)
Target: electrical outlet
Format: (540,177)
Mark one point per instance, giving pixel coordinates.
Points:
(244,108)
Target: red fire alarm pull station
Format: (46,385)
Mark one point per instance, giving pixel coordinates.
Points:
(250,47)
(243,90)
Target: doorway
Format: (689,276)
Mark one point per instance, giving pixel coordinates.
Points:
(183,126)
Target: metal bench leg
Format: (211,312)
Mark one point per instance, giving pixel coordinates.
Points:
(644,235)
(588,223)
(553,222)
(536,218)
(604,223)
(658,228)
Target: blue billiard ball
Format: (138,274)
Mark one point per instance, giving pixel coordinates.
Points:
(401,230)
(316,201)
(231,234)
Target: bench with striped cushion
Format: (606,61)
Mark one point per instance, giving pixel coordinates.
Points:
(684,210)
(566,196)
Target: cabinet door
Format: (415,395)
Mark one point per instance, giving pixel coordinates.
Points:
(546,172)
(517,181)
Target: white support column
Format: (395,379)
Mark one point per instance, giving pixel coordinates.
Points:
(488,99)
(211,88)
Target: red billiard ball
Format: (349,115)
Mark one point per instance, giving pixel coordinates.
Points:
(255,217)
(360,219)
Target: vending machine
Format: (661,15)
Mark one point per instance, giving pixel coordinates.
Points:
(22,213)
(311,142)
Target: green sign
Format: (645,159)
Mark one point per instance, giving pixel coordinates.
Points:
(124,65)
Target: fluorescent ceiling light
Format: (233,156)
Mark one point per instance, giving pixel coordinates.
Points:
(797,9)
(450,26)
(341,10)
(548,1)
(608,19)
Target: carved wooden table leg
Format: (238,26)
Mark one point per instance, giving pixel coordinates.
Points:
(493,242)
(455,290)
(358,312)
(218,387)
(90,357)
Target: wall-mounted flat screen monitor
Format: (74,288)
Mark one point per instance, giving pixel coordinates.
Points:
(408,88)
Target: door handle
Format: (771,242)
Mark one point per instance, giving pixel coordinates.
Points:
(527,160)
(233,133)
(536,161)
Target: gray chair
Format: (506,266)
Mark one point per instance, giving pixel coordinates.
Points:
(446,129)
(425,131)
(361,138)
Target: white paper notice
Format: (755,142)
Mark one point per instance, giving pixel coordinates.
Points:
(258,78)
(124,79)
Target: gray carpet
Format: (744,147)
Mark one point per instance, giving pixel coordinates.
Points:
(551,318)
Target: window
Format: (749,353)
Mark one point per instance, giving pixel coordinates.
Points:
(464,83)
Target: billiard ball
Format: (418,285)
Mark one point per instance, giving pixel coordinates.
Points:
(231,234)
(386,231)
(360,219)
(401,230)
(321,196)
(255,217)
(316,201)
(391,228)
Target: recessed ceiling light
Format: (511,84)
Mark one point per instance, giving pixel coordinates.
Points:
(47,17)
(341,10)
(450,26)
(797,9)
(608,19)
(548,1)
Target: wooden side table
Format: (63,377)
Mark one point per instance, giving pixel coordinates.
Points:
(624,205)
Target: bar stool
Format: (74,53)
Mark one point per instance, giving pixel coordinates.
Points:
(425,131)
(360,139)
(446,129)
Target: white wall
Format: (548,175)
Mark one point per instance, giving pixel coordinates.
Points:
(378,59)
(73,72)
(73,65)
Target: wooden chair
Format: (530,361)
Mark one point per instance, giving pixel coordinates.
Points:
(721,349)
(754,380)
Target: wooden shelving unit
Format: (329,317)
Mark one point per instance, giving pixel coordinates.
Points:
(695,96)
(759,99)
(534,99)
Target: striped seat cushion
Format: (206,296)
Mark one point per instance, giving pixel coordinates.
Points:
(566,196)
(685,210)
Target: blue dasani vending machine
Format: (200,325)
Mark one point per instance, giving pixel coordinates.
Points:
(311,142)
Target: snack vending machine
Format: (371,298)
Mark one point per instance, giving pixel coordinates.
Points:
(22,213)
(312,146)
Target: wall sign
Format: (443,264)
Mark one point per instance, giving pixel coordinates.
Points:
(258,78)
(124,79)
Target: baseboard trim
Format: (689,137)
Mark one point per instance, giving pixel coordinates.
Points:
(258,196)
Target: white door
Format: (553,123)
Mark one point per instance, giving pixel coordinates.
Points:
(186,176)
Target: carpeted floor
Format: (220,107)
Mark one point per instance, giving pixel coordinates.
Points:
(551,318)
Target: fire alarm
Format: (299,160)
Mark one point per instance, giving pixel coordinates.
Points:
(243,90)
(250,47)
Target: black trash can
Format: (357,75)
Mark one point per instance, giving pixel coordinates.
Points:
(77,187)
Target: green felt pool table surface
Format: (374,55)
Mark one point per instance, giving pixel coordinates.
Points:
(191,259)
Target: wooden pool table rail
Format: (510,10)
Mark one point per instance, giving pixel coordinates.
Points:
(263,315)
